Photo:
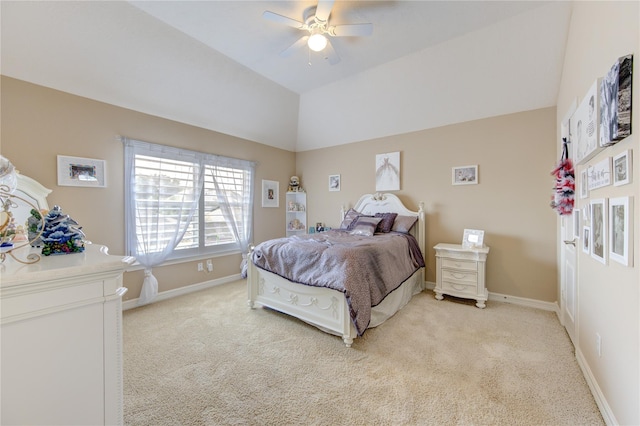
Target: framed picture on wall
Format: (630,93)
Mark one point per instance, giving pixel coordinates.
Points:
(584,183)
(622,168)
(388,172)
(270,193)
(620,230)
(334,182)
(464,175)
(600,174)
(76,171)
(586,234)
(584,126)
(615,108)
(599,230)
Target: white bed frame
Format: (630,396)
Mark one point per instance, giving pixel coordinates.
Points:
(326,308)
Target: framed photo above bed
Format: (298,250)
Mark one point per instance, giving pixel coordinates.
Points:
(270,193)
(388,172)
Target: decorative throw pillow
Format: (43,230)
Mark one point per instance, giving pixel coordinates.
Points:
(404,223)
(365,225)
(387,221)
(349,217)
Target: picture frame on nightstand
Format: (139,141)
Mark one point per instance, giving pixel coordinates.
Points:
(473,238)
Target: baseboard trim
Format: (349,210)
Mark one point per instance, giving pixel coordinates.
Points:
(607,414)
(133,303)
(522,301)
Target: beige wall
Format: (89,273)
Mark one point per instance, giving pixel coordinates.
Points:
(39,123)
(514,153)
(608,295)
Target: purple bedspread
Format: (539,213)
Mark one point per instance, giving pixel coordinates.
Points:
(366,269)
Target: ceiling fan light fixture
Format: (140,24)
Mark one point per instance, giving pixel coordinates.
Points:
(317,42)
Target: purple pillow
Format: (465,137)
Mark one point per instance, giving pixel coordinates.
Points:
(387,221)
(365,225)
(349,217)
(404,223)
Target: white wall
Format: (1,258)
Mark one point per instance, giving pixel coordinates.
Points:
(450,83)
(608,295)
(193,84)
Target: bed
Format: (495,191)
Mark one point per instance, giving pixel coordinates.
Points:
(335,310)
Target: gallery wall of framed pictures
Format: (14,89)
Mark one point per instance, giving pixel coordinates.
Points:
(602,119)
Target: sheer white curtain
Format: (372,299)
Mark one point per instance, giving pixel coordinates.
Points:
(160,206)
(235,196)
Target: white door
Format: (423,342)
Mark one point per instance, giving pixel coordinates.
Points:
(568,281)
(569,240)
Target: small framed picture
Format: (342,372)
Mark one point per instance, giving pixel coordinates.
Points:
(270,193)
(600,174)
(576,223)
(584,183)
(620,230)
(464,175)
(473,238)
(622,168)
(599,230)
(586,234)
(334,182)
(75,171)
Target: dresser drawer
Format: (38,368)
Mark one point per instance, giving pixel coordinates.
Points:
(466,265)
(460,289)
(470,278)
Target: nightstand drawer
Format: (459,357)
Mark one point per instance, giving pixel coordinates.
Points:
(460,277)
(467,265)
(460,289)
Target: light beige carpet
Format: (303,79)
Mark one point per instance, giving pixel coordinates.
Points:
(207,359)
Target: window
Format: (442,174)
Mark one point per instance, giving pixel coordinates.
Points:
(183,203)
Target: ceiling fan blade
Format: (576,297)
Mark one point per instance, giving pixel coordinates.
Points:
(330,54)
(323,10)
(284,20)
(351,30)
(295,46)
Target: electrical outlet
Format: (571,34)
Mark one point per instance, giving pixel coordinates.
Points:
(200,267)
(209,265)
(598,344)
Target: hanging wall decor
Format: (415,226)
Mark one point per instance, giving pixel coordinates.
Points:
(564,190)
(584,127)
(616,105)
(388,172)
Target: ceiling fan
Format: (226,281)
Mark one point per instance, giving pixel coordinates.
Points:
(317,28)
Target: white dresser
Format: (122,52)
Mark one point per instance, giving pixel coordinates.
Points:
(460,272)
(62,338)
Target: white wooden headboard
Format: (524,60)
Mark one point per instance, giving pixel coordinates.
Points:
(371,204)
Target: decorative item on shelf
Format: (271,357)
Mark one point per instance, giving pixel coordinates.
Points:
(294,185)
(12,235)
(61,234)
(319,227)
(296,225)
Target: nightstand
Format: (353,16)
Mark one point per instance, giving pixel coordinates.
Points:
(460,272)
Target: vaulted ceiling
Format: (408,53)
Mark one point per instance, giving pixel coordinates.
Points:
(217,64)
